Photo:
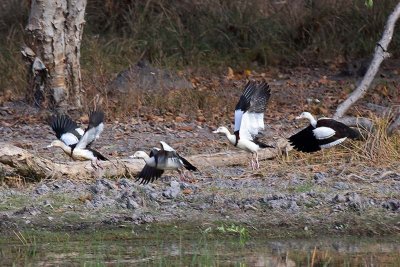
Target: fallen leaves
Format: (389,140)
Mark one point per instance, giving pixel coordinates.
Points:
(187,191)
(239,75)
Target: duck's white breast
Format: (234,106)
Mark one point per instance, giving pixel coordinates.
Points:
(170,164)
(247,145)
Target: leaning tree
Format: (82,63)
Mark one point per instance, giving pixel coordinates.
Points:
(54,34)
(380,54)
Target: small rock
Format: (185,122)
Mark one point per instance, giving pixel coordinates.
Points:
(354,200)
(293,206)
(172,191)
(204,206)
(97,188)
(131,204)
(192,187)
(125,183)
(339,198)
(101,200)
(89,204)
(338,208)
(175,184)
(341,186)
(109,184)
(182,204)
(43,189)
(319,177)
(148,218)
(277,203)
(154,196)
(393,205)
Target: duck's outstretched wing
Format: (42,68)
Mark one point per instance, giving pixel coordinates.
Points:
(66,129)
(168,157)
(249,113)
(94,129)
(149,174)
(313,139)
(305,140)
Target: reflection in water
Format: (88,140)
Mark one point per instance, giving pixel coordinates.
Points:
(178,251)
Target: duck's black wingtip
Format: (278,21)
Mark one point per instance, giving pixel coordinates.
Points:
(62,124)
(97,154)
(189,166)
(148,175)
(96,117)
(303,147)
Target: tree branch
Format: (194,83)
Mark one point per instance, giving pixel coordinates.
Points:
(23,163)
(380,54)
(395,125)
(363,123)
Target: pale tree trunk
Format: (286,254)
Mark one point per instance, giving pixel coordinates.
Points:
(54,35)
(21,162)
(379,55)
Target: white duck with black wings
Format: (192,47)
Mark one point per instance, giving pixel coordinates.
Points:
(321,133)
(249,120)
(74,141)
(159,161)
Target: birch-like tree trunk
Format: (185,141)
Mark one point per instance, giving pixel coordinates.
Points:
(54,35)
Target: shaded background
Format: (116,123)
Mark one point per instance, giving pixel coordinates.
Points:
(209,35)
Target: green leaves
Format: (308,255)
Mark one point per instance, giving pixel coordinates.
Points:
(369,3)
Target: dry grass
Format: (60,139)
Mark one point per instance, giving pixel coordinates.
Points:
(378,150)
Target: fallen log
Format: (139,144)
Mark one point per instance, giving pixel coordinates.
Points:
(26,164)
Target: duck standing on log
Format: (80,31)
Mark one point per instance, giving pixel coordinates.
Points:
(74,141)
(161,160)
(249,120)
(321,133)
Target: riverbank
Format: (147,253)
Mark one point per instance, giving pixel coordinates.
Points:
(281,204)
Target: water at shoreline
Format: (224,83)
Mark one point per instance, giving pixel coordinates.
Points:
(173,247)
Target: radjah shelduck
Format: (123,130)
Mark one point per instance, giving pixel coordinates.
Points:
(159,161)
(249,120)
(321,133)
(76,142)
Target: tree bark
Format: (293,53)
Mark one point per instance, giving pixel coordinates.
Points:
(395,124)
(362,123)
(54,34)
(23,163)
(379,56)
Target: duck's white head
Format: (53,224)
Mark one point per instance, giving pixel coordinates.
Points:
(57,143)
(305,115)
(140,155)
(223,130)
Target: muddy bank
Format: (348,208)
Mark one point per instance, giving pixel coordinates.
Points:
(279,204)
